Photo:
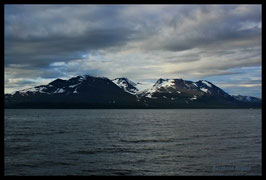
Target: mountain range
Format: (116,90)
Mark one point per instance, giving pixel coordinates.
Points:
(101,92)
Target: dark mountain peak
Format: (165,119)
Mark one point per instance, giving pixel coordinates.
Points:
(204,83)
(122,78)
(160,81)
(58,82)
(125,80)
(76,79)
(87,78)
(178,79)
(182,82)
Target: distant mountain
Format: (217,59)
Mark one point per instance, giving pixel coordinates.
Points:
(248,99)
(101,92)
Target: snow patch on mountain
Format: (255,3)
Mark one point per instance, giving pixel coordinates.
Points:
(166,83)
(161,83)
(72,86)
(204,90)
(207,83)
(75,92)
(38,89)
(132,87)
(126,85)
(59,90)
(193,98)
(195,84)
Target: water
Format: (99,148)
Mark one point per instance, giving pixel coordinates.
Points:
(132,142)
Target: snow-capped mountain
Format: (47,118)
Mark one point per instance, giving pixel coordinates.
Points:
(101,92)
(249,99)
(126,85)
(58,86)
(81,89)
(182,87)
(131,87)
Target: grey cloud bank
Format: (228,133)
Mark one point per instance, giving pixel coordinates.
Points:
(141,42)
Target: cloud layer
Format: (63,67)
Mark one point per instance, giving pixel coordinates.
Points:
(141,42)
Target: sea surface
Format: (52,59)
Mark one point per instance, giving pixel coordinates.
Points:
(132,142)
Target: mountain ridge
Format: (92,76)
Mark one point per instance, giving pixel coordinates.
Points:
(101,92)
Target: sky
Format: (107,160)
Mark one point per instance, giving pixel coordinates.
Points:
(218,43)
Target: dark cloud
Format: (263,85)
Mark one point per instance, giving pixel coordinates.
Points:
(46,51)
(212,27)
(40,35)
